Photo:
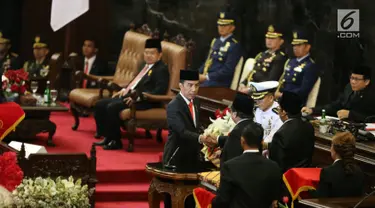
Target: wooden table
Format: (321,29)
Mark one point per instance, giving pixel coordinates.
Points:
(37,120)
(338,202)
(179,184)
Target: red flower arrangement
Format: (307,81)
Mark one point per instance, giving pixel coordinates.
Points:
(285,200)
(221,114)
(11,174)
(17,81)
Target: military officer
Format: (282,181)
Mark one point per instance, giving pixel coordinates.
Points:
(269,65)
(8,60)
(39,65)
(266,112)
(224,54)
(300,73)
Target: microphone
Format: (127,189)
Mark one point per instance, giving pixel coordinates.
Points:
(170,159)
(364,198)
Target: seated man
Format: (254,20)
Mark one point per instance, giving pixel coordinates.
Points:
(153,79)
(92,64)
(225,52)
(249,180)
(293,144)
(357,101)
(242,114)
(269,65)
(39,65)
(300,73)
(344,178)
(266,113)
(8,60)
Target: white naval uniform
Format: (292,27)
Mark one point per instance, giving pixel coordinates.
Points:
(269,120)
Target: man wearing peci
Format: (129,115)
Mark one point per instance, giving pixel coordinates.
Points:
(182,149)
(269,64)
(224,54)
(153,79)
(357,101)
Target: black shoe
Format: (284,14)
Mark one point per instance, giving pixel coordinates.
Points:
(97,136)
(105,141)
(113,145)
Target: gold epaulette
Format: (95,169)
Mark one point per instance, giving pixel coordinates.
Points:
(286,63)
(312,60)
(213,42)
(14,54)
(275,110)
(282,53)
(257,56)
(25,65)
(234,40)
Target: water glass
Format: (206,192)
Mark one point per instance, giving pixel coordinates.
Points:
(34,86)
(54,95)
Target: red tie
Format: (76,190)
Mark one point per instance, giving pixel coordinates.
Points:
(137,78)
(86,72)
(191,110)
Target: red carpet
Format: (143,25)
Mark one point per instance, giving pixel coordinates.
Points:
(123,181)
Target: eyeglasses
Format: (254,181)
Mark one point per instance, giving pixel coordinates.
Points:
(355,78)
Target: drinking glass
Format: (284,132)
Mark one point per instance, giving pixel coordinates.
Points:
(54,96)
(34,86)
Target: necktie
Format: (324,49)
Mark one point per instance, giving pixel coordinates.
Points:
(191,110)
(137,78)
(86,72)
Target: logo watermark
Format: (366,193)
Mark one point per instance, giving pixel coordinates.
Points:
(348,23)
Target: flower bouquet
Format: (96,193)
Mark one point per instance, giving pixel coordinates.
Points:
(221,126)
(11,176)
(46,192)
(15,84)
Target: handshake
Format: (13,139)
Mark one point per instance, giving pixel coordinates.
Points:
(209,140)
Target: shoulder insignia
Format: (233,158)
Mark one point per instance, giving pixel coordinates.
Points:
(213,42)
(258,56)
(275,110)
(282,53)
(14,54)
(234,40)
(312,60)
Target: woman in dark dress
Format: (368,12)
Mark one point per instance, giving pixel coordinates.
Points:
(343,178)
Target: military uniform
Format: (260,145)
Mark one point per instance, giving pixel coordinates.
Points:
(222,59)
(10,60)
(300,74)
(269,65)
(35,68)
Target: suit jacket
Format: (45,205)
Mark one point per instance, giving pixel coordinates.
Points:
(99,68)
(335,183)
(221,62)
(299,76)
(360,104)
(183,134)
(231,144)
(247,181)
(293,144)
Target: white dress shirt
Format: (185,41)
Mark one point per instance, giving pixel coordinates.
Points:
(187,103)
(148,69)
(251,150)
(300,59)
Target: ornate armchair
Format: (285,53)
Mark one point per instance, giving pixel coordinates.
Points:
(131,56)
(176,56)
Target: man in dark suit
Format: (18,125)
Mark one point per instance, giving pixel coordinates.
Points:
(225,52)
(8,60)
(182,149)
(153,79)
(249,180)
(300,73)
(92,63)
(357,101)
(242,115)
(39,65)
(292,145)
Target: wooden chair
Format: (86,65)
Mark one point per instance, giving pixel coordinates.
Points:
(249,65)
(176,57)
(131,56)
